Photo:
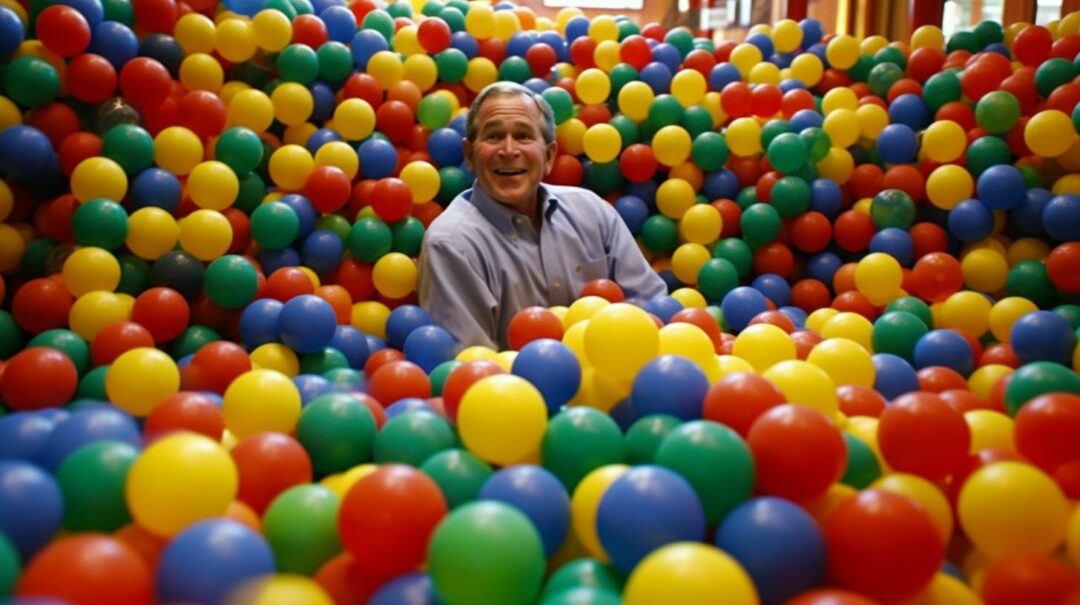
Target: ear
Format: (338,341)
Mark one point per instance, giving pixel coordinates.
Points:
(467,148)
(549,158)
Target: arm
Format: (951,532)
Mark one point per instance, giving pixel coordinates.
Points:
(455,295)
(627,266)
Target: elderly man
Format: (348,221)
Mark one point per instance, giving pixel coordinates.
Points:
(510,241)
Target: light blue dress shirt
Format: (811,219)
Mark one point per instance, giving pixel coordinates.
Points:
(482,261)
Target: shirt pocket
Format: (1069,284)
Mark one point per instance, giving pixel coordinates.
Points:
(592,269)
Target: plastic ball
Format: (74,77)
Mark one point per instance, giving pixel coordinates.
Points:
(694,574)
(98,568)
(1049,133)
(222,552)
(485,421)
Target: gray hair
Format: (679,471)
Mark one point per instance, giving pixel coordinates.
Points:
(511,89)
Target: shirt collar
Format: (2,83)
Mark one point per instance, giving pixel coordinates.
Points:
(501,215)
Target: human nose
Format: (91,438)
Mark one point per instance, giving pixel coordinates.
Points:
(508,145)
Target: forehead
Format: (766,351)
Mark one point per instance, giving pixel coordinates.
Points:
(508,109)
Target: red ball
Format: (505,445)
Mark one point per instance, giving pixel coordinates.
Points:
(1000,353)
(391,199)
(116,339)
(568,170)
(328,188)
(935,379)
(463,377)
(737,100)
(363,86)
(532,323)
(156,15)
(145,82)
(202,112)
(604,288)
(493,49)
(380,358)
(921,434)
(395,119)
(959,112)
(96,569)
(582,52)
(703,320)
(219,363)
(796,100)
(811,232)
(1061,266)
(866,180)
(936,276)
(185,411)
(635,51)
(831,596)
(638,163)
(356,278)
(541,58)
(963,400)
(78,146)
(164,312)
(42,304)
(433,34)
(766,100)
(853,231)
(63,30)
(286,283)
(927,238)
(268,464)
(1046,430)
(1029,579)
(805,341)
(592,115)
(1032,45)
(398,380)
(739,398)
(38,377)
(387,518)
(864,535)
(858,400)
(798,452)
(309,30)
(774,318)
(776,258)
(810,295)
(925,62)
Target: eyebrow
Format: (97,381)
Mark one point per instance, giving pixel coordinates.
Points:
(499,123)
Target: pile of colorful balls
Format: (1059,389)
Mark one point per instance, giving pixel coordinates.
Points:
(217,386)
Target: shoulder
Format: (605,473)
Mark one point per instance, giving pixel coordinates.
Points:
(455,224)
(578,200)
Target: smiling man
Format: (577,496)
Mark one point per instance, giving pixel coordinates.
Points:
(510,241)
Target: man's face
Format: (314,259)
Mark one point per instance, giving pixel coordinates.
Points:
(509,156)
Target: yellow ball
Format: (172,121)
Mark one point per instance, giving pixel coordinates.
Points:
(689,341)
(195,33)
(386,68)
(480,72)
(7,199)
(394,275)
(603,28)
(1009,508)
(837,165)
(925,494)
(339,155)
(928,36)
(1005,312)
(744,57)
(879,276)
(967,311)
(689,87)
(872,120)
(89,269)
(990,429)
(606,56)
(480,21)
(842,126)
(689,573)
(816,320)
(584,503)
(1049,133)
(405,41)
(12,247)
(851,326)
(571,136)
(277,357)
(293,103)
(98,177)
(602,143)
(872,44)
(672,145)
(583,309)
(140,378)
(842,51)
(845,361)
(787,36)
(839,98)
(689,298)
(282,589)
(354,119)
(179,480)
(674,197)
(808,69)
(949,185)
(635,99)
(803,383)
(982,380)
(178,150)
(944,141)
(94,311)
(205,234)
(261,400)
(370,317)
(984,270)
(687,261)
(236,40)
(151,233)
(764,345)
(744,137)
(593,86)
(764,73)
(290,166)
(201,71)
(421,70)
(213,185)
(422,179)
(701,224)
(251,109)
(273,30)
(502,419)
(620,339)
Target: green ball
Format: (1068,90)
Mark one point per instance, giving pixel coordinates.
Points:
(431,8)
(31,82)
(697,120)
(231,281)
(891,54)
(716,278)
(92,480)
(997,112)
(121,11)
(284,6)
(628,130)
(453,17)
(92,385)
(434,111)
(747,197)
(338,433)
(33,262)
(985,152)
(682,39)
(1031,280)
(860,72)
(299,63)
(451,64)
(892,208)
(335,61)
(760,224)
(716,462)
(941,88)
(345,379)
(787,152)
(380,21)
(1038,378)
(737,252)
(301,527)
(439,375)
(579,440)
(252,192)
(412,437)
(1053,73)
(369,239)
(773,129)
(68,343)
(130,146)
(408,234)
(1032,177)
(134,275)
(1070,313)
(583,596)
(627,28)
(862,465)
(335,223)
(914,306)
(274,225)
(603,178)
(883,76)
(323,361)
(100,222)
(621,75)
(460,475)
(486,553)
(665,110)
(192,339)
(709,151)
(515,69)
(659,233)
(897,332)
(963,40)
(645,435)
(562,104)
(988,32)
(584,573)
(791,195)
(10,566)
(452,181)
(817,142)
(399,9)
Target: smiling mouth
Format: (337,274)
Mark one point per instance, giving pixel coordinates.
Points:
(509,171)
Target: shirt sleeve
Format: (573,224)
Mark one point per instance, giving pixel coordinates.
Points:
(455,295)
(628,267)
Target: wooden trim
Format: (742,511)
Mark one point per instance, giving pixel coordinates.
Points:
(1068,6)
(796,9)
(927,12)
(1016,11)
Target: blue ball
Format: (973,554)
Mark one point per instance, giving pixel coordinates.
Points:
(783,61)
(663,307)
(466,43)
(114,41)
(312,386)
(538,494)
(428,346)
(823,267)
(31,506)
(353,345)
(669,384)
(379,158)
(1001,187)
(207,560)
(740,305)
(248,8)
(779,545)
(410,589)
(322,251)
(999,48)
(723,74)
(826,197)
(763,42)
(1027,216)
(721,184)
(305,212)
(12,31)
(552,368)
(1061,218)
(790,84)
(668,55)
(165,49)
(374,343)
(23,435)
(321,137)
(646,191)
(340,23)
(324,102)
(25,152)
(812,30)
(894,376)
(156,187)
(796,315)
(272,260)
(946,348)
(88,425)
(819,50)
(806,118)
(895,242)
(92,10)
(658,76)
(1043,336)
(307,323)
(911,110)
(775,288)
(519,43)
(897,144)
(555,41)
(445,147)
(623,414)
(576,27)
(365,43)
(971,221)
(408,404)
(259,322)
(644,509)
(633,211)
(402,321)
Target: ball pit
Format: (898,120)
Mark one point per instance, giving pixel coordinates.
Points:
(217,384)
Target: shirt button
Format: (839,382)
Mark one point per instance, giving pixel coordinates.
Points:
(557,284)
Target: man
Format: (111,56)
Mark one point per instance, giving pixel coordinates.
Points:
(511,242)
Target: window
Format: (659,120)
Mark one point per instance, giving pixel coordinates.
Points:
(599,4)
(965,14)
